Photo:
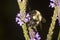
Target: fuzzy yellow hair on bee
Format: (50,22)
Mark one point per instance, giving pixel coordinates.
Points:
(37,16)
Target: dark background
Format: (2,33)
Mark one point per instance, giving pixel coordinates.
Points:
(9,30)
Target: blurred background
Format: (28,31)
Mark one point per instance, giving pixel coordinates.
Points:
(9,30)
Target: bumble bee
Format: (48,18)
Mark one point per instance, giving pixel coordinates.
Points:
(36,18)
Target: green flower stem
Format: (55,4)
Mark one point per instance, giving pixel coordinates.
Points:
(25,32)
(22,7)
(59,36)
(52,26)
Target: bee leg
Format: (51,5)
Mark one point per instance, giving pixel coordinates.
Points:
(40,25)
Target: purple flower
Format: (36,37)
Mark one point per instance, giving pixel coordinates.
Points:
(32,39)
(52,5)
(19,21)
(37,36)
(25,20)
(53,1)
(28,17)
(18,15)
(34,35)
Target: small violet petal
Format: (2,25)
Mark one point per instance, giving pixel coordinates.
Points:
(37,36)
(32,39)
(18,15)
(25,20)
(21,22)
(53,1)
(52,5)
(27,15)
(17,19)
